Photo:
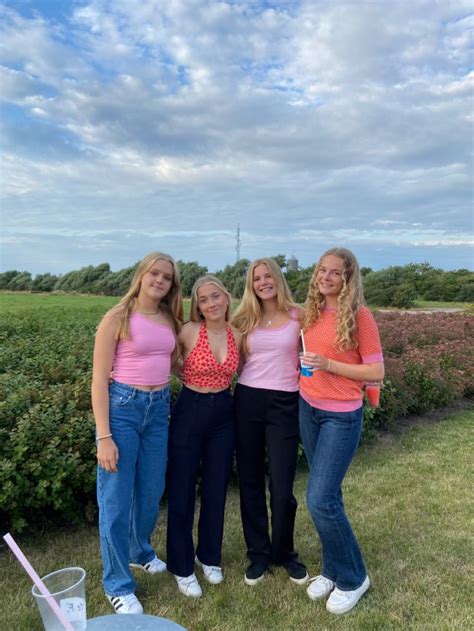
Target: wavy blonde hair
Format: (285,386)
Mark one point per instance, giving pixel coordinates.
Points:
(171,304)
(194,314)
(249,312)
(349,300)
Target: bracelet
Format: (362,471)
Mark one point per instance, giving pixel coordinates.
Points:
(101,437)
(332,367)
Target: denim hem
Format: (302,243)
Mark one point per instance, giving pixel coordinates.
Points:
(351,589)
(115,595)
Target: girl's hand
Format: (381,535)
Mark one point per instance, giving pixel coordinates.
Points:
(107,455)
(317,362)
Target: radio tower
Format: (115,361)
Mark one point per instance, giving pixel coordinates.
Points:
(237,243)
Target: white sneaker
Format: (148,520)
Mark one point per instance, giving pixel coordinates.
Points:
(320,587)
(212,573)
(125,604)
(155,566)
(189,585)
(341,601)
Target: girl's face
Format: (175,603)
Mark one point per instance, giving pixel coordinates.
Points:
(264,284)
(329,276)
(212,302)
(158,280)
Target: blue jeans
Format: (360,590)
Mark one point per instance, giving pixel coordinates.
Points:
(330,440)
(129,499)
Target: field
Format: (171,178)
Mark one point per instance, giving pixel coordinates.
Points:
(408,498)
(406,495)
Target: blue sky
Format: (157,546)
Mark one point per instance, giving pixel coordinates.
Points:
(128,127)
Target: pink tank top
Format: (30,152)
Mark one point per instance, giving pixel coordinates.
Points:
(200,368)
(272,362)
(145,358)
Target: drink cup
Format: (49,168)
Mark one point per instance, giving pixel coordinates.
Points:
(372,391)
(67,587)
(306,370)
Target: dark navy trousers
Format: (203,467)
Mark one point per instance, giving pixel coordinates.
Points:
(201,440)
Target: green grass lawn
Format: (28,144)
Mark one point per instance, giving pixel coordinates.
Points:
(408,500)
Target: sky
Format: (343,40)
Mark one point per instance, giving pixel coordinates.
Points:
(128,127)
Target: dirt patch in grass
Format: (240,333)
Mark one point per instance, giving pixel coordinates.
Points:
(405,423)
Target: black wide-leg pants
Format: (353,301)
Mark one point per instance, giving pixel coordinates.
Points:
(267,424)
(201,439)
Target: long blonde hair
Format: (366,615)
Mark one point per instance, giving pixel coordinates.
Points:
(349,300)
(194,313)
(171,304)
(249,312)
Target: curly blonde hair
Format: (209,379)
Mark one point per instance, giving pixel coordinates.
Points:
(249,312)
(171,304)
(349,300)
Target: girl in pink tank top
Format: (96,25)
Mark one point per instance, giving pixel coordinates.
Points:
(202,437)
(137,340)
(266,402)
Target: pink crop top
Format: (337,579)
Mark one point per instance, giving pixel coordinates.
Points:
(272,362)
(145,358)
(201,369)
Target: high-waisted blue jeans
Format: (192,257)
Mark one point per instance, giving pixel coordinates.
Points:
(129,499)
(330,440)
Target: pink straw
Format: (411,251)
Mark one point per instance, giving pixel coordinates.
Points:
(37,581)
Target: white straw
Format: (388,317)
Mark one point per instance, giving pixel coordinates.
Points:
(302,340)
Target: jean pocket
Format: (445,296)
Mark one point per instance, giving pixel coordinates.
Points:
(117,400)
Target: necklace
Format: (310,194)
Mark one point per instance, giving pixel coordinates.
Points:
(214,333)
(149,313)
(270,321)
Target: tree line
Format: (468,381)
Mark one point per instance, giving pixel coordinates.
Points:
(397,286)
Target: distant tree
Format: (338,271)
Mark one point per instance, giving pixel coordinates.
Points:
(7,277)
(232,276)
(280,260)
(21,282)
(298,282)
(44,282)
(365,270)
(189,273)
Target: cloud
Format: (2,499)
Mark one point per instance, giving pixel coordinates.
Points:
(283,116)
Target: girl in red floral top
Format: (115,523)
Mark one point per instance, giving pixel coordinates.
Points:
(201,436)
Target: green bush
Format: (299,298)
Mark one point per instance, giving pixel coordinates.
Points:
(47,450)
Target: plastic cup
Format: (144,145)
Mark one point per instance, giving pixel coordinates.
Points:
(67,587)
(372,390)
(305,370)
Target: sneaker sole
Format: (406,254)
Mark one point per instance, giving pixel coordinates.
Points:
(254,581)
(300,581)
(342,610)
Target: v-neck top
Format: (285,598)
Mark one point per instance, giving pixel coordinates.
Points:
(201,368)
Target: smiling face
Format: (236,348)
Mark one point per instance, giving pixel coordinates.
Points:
(212,302)
(329,278)
(264,285)
(157,280)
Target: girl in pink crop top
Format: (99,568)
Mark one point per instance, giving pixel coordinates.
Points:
(266,402)
(202,436)
(136,339)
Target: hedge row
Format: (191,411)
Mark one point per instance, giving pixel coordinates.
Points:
(47,451)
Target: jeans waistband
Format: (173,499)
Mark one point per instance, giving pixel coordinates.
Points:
(125,389)
(204,395)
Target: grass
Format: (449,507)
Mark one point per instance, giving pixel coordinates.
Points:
(408,499)
(434,304)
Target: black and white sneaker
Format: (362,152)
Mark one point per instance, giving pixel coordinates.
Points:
(155,566)
(125,604)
